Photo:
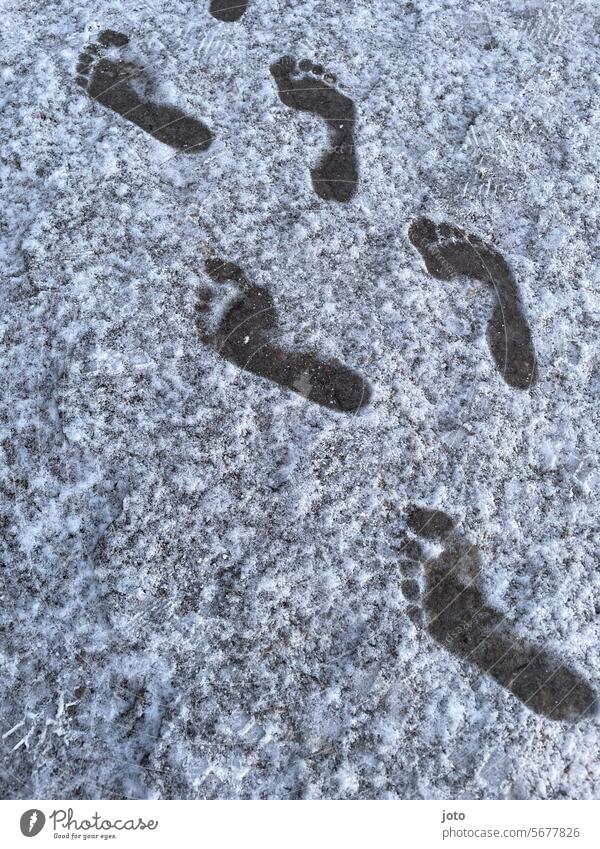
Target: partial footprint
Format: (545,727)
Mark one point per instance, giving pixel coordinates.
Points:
(455,614)
(449,252)
(242,337)
(336,175)
(228,10)
(109,81)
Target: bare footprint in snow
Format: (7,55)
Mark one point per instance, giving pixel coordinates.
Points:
(336,175)
(445,599)
(243,337)
(449,252)
(109,81)
(228,10)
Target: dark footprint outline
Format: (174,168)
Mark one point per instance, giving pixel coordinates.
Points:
(228,10)
(336,175)
(108,82)
(243,335)
(449,252)
(457,617)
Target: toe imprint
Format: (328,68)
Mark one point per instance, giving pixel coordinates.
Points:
(430,524)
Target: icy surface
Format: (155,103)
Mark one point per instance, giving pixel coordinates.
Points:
(200,593)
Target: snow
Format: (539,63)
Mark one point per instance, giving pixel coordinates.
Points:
(200,592)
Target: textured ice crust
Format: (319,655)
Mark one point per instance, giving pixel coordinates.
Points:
(200,584)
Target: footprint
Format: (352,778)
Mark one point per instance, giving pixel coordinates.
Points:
(110,83)
(336,175)
(453,610)
(449,252)
(242,337)
(228,10)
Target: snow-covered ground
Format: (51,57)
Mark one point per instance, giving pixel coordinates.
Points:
(200,582)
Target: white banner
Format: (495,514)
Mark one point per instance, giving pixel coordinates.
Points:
(277,824)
